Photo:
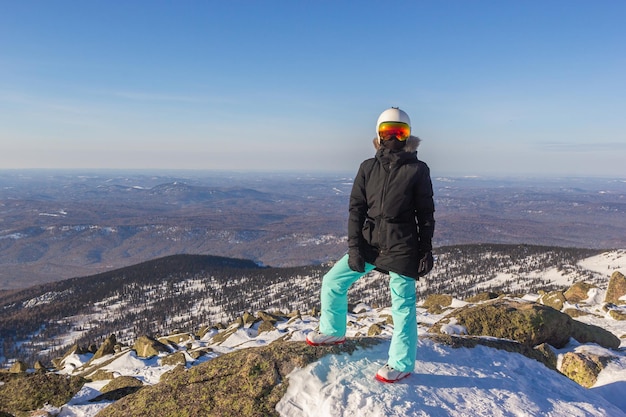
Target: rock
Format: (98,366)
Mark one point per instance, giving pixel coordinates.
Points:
(583,368)
(548,354)
(147,347)
(587,333)
(617,315)
(58,363)
(617,289)
(375,330)
(119,388)
(554,299)
(107,348)
(435,303)
(177,358)
(31,391)
(482,297)
(526,322)
(248,318)
(574,312)
(101,375)
(177,339)
(18,367)
(266,326)
(39,367)
(578,292)
(246,382)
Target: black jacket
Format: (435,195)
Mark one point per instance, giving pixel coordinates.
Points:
(391,218)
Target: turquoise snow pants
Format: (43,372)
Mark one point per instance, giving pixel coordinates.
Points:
(334,298)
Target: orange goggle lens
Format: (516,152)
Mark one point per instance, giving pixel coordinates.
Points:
(390,130)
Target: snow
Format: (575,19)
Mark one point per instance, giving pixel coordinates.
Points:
(446,382)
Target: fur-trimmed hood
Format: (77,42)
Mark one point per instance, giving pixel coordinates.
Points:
(411,144)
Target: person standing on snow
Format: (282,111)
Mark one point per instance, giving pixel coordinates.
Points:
(390,229)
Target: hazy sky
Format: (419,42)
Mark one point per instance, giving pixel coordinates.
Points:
(492,87)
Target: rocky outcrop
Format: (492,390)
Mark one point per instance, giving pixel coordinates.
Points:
(106,348)
(616,292)
(437,303)
(578,292)
(526,322)
(583,368)
(554,299)
(18,367)
(247,382)
(147,347)
(24,392)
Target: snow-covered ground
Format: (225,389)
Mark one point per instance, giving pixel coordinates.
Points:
(446,382)
(480,381)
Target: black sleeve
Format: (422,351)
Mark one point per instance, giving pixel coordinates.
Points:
(425,209)
(357,208)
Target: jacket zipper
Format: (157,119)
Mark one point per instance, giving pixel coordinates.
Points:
(382,206)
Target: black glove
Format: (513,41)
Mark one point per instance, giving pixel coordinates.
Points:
(426,264)
(355,260)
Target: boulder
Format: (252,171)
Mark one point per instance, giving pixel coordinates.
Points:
(266,326)
(482,297)
(375,330)
(177,358)
(147,347)
(616,291)
(554,299)
(106,348)
(119,388)
(617,314)
(18,367)
(436,303)
(578,292)
(583,368)
(523,321)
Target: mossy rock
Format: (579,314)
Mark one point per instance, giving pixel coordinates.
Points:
(177,358)
(177,339)
(101,375)
(147,347)
(578,292)
(574,312)
(616,289)
(18,367)
(617,315)
(437,303)
(485,296)
(107,348)
(119,388)
(266,326)
(583,368)
(375,330)
(554,299)
(25,392)
(246,382)
(526,322)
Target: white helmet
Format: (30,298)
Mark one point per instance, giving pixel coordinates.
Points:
(392,114)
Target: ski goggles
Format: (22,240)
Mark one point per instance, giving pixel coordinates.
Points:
(391,130)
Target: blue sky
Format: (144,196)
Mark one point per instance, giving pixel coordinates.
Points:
(492,87)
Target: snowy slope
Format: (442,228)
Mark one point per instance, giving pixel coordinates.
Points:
(446,381)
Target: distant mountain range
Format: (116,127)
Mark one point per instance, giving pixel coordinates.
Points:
(58,225)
